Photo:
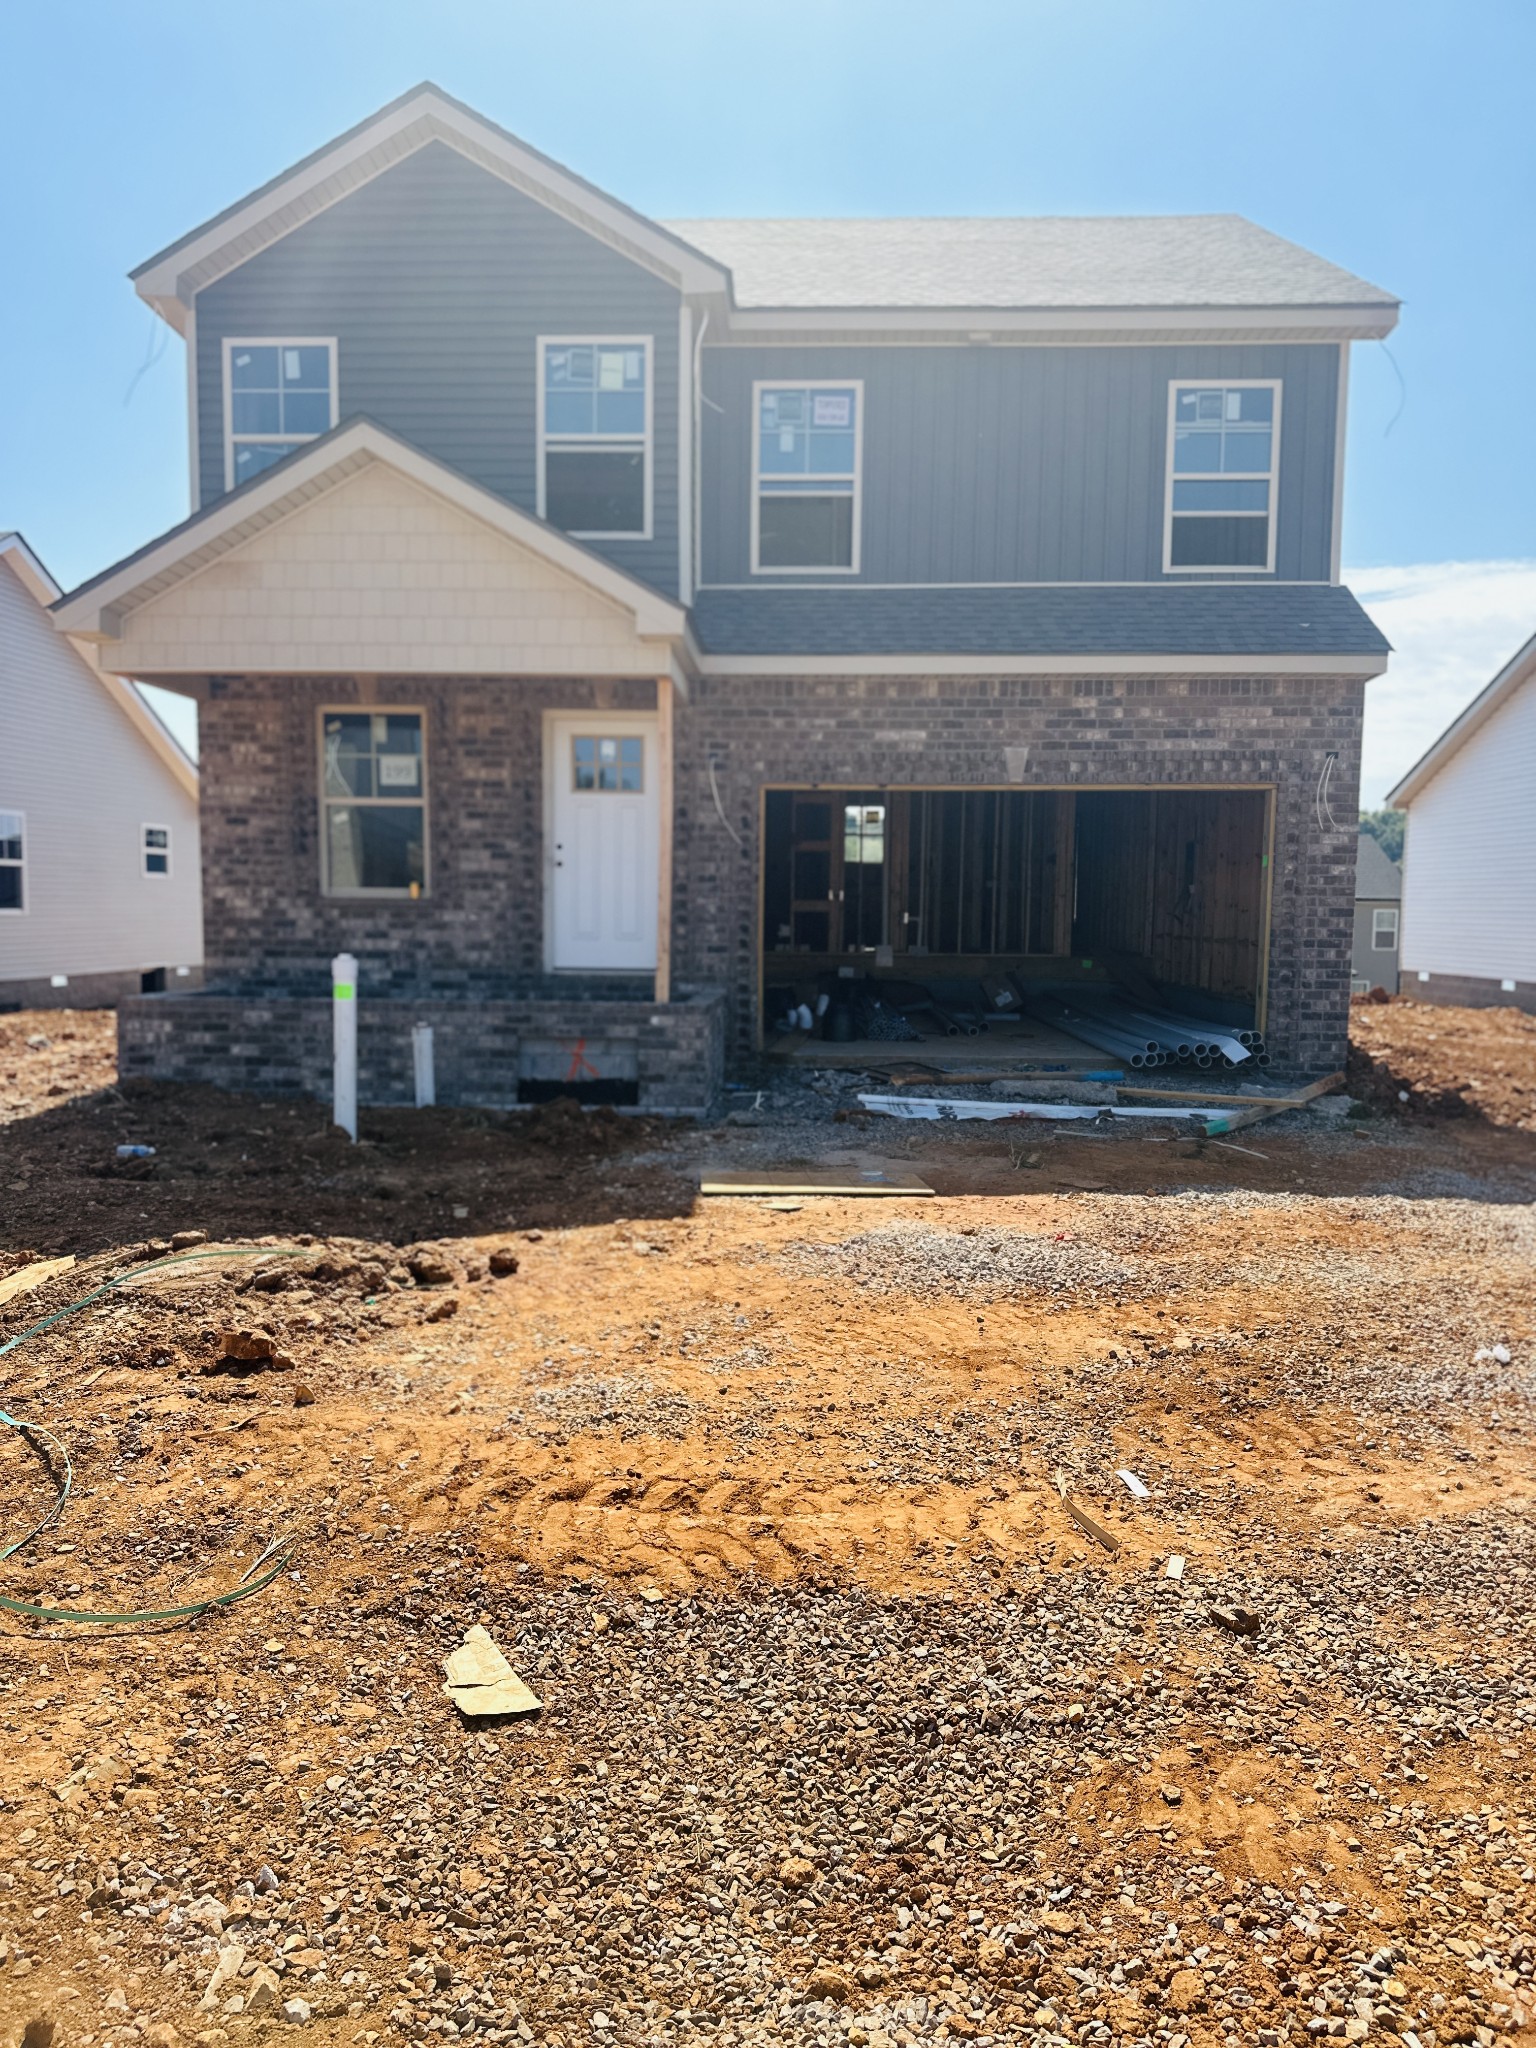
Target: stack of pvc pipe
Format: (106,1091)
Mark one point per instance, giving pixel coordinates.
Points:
(1145,1036)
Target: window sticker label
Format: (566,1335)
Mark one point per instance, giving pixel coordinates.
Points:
(397,771)
(831,409)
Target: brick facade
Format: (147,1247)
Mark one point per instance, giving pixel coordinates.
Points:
(1170,731)
(478,932)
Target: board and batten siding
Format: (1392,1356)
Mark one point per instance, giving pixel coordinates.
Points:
(1469,869)
(88,783)
(436,279)
(1019,464)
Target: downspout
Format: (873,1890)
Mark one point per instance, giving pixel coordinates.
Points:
(698,445)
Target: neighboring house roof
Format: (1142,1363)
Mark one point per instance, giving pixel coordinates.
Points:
(16,556)
(1377,879)
(19,558)
(1116,619)
(93,610)
(1112,262)
(1514,675)
(1109,272)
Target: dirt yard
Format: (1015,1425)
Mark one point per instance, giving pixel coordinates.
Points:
(852,1731)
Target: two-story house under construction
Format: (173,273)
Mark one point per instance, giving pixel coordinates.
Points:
(625,632)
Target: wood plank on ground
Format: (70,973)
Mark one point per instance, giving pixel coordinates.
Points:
(817,1180)
(25,1278)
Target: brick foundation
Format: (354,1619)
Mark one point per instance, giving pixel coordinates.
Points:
(281,1045)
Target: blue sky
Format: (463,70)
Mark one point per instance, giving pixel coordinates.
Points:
(1392,136)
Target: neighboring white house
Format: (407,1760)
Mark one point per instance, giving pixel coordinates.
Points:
(100,885)
(1469,866)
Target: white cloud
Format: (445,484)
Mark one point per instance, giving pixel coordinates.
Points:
(1452,625)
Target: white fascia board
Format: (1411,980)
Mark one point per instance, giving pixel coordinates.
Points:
(159,280)
(1123,325)
(94,612)
(28,570)
(1361,666)
(1515,673)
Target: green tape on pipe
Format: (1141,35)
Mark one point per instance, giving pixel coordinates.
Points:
(241,1591)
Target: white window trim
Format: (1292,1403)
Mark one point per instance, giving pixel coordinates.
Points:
(647,441)
(1175,386)
(373,895)
(1377,927)
(854,384)
(145,849)
(21,909)
(234,341)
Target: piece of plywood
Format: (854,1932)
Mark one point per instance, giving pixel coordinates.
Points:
(481,1681)
(818,1180)
(25,1278)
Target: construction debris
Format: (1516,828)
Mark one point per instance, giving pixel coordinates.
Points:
(482,1682)
(1135,1487)
(828,1180)
(27,1278)
(939,1109)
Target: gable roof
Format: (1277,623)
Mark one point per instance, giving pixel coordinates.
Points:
(1377,879)
(1513,676)
(94,608)
(1109,272)
(19,558)
(169,280)
(1185,260)
(29,572)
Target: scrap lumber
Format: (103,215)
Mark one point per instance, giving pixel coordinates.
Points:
(38,1274)
(1219,1126)
(1082,1517)
(817,1180)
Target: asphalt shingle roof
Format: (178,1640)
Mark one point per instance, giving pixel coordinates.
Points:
(1066,619)
(1187,260)
(1377,879)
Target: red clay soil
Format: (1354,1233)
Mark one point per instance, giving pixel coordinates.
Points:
(1446,1062)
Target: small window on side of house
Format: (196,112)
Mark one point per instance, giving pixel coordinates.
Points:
(155,845)
(1384,931)
(806,449)
(13,861)
(1223,463)
(373,796)
(595,436)
(277,396)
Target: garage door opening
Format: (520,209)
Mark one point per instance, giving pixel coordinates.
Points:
(930,914)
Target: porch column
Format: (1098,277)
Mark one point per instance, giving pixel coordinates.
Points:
(664,798)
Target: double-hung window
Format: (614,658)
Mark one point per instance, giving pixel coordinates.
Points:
(595,437)
(155,849)
(805,476)
(373,782)
(1223,462)
(13,860)
(1384,931)
(277,396)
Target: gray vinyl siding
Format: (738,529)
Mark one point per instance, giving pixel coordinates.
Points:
(1019,464)
(436,279)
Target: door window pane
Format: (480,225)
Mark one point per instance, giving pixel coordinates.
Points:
(603,765)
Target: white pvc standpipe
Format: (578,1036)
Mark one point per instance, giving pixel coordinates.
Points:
(426,1073)
(344,1033)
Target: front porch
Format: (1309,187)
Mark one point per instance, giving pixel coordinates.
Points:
(600,1043)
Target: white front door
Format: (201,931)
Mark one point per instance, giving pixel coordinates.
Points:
(604,841)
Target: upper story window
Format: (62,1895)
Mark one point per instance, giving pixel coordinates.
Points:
(595,437)
(806,443)
(155,848)
(373,794)
(277,396)
(1223,460)
(13,860)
